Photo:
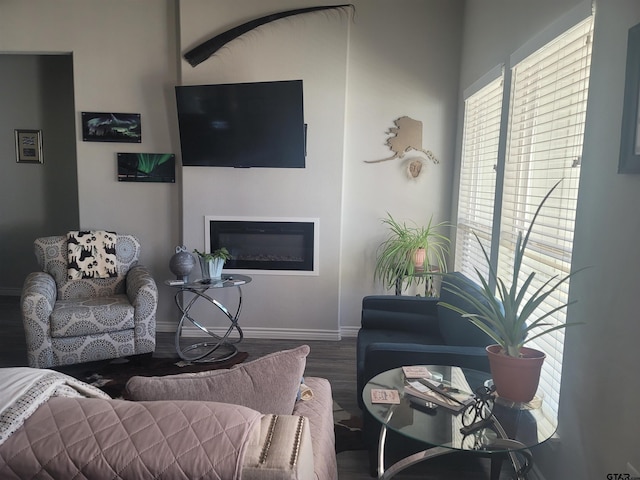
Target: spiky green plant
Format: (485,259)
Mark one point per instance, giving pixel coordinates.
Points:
(507,320)
(395,254)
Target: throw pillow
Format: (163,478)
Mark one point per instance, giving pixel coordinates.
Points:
(269,384)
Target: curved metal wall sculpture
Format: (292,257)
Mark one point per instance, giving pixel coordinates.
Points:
(199,54)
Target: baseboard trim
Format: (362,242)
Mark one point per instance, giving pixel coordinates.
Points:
(257,332)
(350,332)
(273,333)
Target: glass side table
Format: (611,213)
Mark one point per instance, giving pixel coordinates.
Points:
(219,347)
(513,430)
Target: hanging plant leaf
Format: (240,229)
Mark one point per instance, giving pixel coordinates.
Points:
(203,51)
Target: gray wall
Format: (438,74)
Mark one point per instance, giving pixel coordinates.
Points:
(392,59)
(124,60)
(598,420)
(35,199)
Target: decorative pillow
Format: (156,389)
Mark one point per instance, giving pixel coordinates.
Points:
(91,254)
(268,384)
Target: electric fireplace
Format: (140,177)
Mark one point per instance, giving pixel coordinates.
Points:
(265,244)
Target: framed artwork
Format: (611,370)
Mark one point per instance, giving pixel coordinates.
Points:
(147,167)
(28,146)
(111,127)
(630,136)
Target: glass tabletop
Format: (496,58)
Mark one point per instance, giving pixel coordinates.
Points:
(204,284)
(441,427)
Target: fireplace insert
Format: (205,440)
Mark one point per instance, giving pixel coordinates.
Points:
(265,245)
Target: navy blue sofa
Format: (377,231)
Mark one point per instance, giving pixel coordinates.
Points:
(403,330)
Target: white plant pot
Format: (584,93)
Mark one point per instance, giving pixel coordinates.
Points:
(211,269)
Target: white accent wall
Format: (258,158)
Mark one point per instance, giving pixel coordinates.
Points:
(360,73)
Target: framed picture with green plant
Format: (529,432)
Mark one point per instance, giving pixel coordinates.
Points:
(147,167)
(410,249)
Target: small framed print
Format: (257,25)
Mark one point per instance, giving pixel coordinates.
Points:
(28,146)
(111,127)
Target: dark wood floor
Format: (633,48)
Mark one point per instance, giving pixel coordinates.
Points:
(334,360)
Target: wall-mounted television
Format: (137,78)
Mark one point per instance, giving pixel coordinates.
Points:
(257,124)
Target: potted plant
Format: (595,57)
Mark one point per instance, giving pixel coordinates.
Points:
(211,263)
(508,320)
(407,249)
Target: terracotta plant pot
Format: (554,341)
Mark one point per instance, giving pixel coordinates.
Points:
(419,257)
(516,379)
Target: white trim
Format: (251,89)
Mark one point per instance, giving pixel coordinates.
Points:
(256,332)
(483,81)
(559,26)
(316,242)
(349,332)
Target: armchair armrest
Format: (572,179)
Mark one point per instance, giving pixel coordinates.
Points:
(391,312)
(39,295)
(142,292)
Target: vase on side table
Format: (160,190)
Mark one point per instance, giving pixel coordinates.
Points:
(211,268)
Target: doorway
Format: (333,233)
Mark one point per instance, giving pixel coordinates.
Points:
(36,199)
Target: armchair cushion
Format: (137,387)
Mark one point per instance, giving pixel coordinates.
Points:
(401,313)
(73,318)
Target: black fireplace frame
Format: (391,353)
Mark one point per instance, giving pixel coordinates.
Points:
(306,228)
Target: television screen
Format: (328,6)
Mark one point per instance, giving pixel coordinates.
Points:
(242,125)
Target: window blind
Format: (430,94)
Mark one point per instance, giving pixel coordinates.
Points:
(481,135)
(544,145)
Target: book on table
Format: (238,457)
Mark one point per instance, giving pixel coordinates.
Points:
(449,397)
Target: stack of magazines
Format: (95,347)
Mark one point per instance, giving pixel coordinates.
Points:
(436,392)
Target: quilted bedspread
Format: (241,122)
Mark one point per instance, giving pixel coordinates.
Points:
(94,439)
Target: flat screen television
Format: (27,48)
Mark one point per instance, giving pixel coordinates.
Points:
(257,124)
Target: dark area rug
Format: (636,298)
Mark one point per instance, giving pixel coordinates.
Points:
(111,376)
(348,430)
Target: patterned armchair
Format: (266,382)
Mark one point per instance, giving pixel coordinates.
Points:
(75,321)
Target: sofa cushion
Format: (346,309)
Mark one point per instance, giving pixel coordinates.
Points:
(269,384)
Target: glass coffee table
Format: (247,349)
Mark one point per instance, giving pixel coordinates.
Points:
(217,348)
(510,431)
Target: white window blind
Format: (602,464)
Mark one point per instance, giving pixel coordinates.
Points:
(481,135)
(546,128)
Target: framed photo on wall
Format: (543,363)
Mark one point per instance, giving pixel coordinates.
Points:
(147,167)
(111,127)
(28,146)
(630,136)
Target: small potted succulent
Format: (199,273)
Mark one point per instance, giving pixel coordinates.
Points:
(211,263)
(510,319)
